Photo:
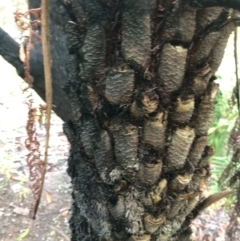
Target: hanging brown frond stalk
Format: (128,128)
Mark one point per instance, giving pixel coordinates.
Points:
(37,167)
(48,87)
(24,54)
(32,144)
(34,161)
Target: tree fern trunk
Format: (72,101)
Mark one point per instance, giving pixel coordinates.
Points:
(141,86)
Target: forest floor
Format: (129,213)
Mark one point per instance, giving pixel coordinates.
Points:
(54,211)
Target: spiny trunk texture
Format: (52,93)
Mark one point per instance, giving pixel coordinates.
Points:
(142,92)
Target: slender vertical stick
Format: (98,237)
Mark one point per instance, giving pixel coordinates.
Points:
(236,67)
(48,87)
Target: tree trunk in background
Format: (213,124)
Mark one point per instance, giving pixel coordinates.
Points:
(141,86)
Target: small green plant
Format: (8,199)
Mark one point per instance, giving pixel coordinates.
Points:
(223,123)
(23,235)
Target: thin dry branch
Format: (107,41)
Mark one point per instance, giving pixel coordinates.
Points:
(48,89)
(236,66)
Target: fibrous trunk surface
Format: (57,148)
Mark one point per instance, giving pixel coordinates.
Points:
(142,92)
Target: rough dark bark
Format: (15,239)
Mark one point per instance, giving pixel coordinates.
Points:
(142,104)
(140,80)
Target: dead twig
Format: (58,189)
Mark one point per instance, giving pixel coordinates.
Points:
(48,87)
